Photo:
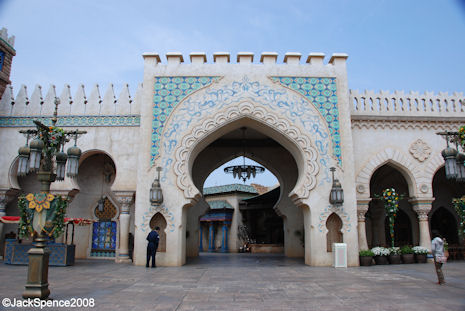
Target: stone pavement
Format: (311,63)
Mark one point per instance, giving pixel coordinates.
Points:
(248,282)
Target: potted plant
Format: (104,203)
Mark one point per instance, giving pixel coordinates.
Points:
(381,255)
(420,254)
(407,254)
(394,256)
(366,257)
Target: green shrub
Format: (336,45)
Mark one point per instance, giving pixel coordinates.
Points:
(406,250)
(366,252)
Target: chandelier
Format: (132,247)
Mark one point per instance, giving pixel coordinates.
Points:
(244,171)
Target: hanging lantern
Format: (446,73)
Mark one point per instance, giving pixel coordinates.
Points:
(450,158)
(74,153)
(336,196)
(23,163)
(101,204)
(156,194)
(61,158)
(460,159)
(35,147)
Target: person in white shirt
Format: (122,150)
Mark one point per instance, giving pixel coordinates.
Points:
(437,249)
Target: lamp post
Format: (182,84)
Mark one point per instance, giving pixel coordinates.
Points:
(453,159)
(45,156)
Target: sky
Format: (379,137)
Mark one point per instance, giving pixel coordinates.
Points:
(415,45)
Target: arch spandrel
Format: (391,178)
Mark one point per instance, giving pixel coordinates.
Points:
(202,116)
(413,175)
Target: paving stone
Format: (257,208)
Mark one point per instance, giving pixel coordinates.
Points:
(249,282)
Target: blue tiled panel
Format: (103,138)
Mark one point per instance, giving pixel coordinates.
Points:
(72,121)
(168,92)
(322,93)
(60,254)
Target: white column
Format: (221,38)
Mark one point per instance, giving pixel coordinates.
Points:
(422,207)
(125,199)
(362,208)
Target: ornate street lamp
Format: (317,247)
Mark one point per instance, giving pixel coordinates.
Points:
(453,159)
(243,171)
(336,196)
(156,194)
(38,216)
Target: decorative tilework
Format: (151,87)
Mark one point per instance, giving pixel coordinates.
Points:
(168,92)
(229,188)
(340,211)
(73,121)
(321,92)
(219,204)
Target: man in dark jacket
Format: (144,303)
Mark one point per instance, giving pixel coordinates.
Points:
(153,239)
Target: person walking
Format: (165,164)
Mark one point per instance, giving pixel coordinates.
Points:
(153,239)
(437,249)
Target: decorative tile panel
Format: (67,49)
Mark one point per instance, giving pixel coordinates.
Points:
(73,121)
(168,92)
(219,204)
(229,188)
(321,92)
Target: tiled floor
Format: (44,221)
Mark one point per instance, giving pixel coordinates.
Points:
(248,282)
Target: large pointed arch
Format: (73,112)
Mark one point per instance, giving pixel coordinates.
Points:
(291,137)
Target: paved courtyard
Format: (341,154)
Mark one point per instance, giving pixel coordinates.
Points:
(248,282)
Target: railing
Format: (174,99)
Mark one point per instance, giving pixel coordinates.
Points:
(408,104)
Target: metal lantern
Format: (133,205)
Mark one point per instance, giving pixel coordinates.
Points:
(101,204)
(156,194)
(336,196)
(61,158)
(450,157)
(35,147)
(74,153)
(23,163)
(460,161)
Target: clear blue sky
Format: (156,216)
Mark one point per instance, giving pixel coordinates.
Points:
(414,45)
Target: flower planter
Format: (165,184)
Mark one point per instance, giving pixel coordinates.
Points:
(381,260)
(408,258)
(420,258)
(394,259)
(365,260)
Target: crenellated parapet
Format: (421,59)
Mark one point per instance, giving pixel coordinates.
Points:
(266,58)
(92,107)
(9,40)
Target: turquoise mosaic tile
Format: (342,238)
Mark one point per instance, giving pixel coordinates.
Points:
(219,204)
(168,93)
(321,92)
(229,188)
(73,121)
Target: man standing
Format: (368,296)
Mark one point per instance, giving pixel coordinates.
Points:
(153,239)
(437,249)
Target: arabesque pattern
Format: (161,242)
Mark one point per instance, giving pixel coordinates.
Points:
(168,92)
(321,92)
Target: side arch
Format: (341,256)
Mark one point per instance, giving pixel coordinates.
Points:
(159,221)
(412,174)
(297,142)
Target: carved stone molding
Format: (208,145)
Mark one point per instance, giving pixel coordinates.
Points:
(245,109)
(422,206)
(358,122)
(125,198)
(338,210)
(420,150)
